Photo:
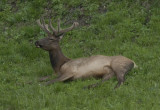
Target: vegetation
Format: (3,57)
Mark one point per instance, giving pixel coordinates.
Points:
(110,27)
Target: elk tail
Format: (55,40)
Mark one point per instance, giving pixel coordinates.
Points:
(135,66)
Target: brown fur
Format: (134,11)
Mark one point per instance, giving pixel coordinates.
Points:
(81,68)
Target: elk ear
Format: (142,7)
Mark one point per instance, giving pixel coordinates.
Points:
(60,37)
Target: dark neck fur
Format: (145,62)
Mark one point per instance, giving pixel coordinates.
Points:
(57,59)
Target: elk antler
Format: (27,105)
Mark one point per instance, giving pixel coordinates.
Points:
(59,32)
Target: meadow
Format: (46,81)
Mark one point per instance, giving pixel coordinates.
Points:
(108,27)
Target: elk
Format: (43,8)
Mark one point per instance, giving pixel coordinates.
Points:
(66,69)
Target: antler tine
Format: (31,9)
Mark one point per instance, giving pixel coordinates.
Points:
(59,28)
(43,26)
(51,27)
(74,25)
(39,23)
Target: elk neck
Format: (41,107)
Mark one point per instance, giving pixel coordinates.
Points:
(57,59)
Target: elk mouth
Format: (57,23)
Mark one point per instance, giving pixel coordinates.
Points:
(38,45)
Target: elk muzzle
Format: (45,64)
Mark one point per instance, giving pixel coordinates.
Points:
(37,44)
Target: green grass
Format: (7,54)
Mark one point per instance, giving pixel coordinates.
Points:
(108,27)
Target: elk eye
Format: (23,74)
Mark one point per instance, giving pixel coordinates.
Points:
(51,39)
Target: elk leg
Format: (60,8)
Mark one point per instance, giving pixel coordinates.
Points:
(61,78)
(43,78)
(39,80)
(120,78)
(105,78)
(121,67)
(47,77)
(121,74)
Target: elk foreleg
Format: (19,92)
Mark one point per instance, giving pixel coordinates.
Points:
(40,79)
(43,78)
(61,78)
(47,77)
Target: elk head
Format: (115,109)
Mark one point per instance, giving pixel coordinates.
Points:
(51,42)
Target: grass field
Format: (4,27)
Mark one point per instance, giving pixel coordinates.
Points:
(109,27)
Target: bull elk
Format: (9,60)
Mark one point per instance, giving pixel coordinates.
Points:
(101,66)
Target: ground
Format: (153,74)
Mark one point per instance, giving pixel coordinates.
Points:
(108,27)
